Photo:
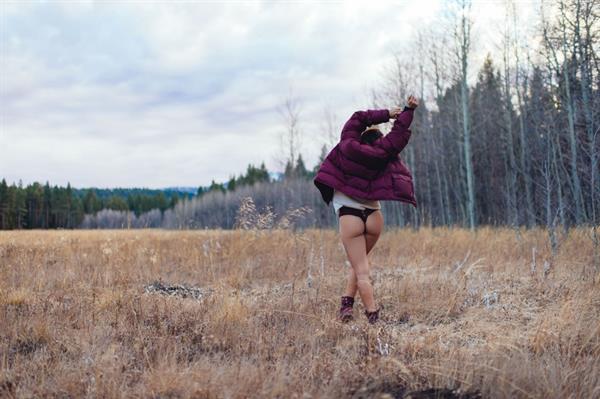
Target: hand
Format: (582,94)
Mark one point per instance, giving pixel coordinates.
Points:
(412,102)
(394,112)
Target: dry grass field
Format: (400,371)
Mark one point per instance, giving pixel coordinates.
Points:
(466,315)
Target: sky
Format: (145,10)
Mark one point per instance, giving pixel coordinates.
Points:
(160,94)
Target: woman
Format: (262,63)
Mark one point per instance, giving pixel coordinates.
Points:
(363,168)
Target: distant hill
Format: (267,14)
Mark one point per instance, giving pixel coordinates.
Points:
(127,192)
(189,190)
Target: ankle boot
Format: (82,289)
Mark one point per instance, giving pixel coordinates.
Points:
(373,316)
(345,314)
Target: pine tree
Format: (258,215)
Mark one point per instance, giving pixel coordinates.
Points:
(264,173)
(489,143)
(20,206)
(162,202)
(216,186)
(3,204)
(289,170)
(300,169)
(174,200)
(201,191)
(68,207)
(322,157)
(91,204)
(231,184)
(117,203)
(47,207)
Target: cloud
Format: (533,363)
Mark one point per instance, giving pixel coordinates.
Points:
(179,93)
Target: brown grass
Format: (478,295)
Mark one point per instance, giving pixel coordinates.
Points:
(462,311)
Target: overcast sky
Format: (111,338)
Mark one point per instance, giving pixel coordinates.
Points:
(156,94)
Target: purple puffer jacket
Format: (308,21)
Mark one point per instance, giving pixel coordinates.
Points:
(369,171)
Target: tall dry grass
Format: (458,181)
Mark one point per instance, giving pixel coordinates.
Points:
(463,311)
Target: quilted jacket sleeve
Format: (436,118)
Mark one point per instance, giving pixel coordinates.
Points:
(395,141)
(360,120)
(384,148)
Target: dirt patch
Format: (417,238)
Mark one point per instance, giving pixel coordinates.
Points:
(183,291)
(389,390)
(444,393)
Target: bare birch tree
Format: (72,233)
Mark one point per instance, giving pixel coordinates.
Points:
(291,139)
(462,35)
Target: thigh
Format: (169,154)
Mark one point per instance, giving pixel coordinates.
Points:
(374,228)
(351,232)
(351,226)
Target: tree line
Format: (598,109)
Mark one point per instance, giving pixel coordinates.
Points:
(217,206)
(38,206)
(48,207)
(521,146)
(518,147)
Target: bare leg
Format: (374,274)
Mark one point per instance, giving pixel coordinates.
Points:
(355,243)
(374,228)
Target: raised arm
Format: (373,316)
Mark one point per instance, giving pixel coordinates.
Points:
(398,137)
(395,141)
(385,147)
(360,120)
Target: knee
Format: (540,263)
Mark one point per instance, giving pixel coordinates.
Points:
(363,278)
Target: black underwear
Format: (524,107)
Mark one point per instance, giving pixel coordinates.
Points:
(361,213)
